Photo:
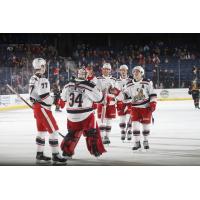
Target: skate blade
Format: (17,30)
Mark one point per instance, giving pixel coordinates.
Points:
(137,150)
(56,163)
(43,162)
(67,157)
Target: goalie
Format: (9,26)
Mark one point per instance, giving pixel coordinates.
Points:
(79,95)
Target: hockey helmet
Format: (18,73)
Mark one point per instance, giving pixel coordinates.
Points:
(140,69)
(106,66)
(123,67)
(82,73)
(38,63)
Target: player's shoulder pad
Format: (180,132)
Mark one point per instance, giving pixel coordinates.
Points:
(88,83)
(129,83)
(113,78)
(72,81)
(146,80)
(100,77)
(33,79)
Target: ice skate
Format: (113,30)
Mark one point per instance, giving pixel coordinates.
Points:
(42,159)
(136,146)
(146,144)
(58,160)
(66,156)
(106,140)
(129,135)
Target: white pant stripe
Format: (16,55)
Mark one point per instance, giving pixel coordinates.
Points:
(48,119)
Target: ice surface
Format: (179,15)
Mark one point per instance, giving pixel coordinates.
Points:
(174,140)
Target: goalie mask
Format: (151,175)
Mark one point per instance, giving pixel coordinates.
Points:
(82,74)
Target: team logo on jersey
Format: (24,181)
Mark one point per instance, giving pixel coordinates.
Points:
(140,95)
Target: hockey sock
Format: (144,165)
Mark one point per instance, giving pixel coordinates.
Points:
(40,141)
(145,134)
(122,123)
(53,142)
(122,126)
(146,131)
(108,130)
(136,135)
(102,130)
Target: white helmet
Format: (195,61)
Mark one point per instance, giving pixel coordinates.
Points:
(106,66)
(82,74)
(140,69)
(38,62)
(123,67)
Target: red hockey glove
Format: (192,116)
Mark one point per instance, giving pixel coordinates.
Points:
(152,106)
(113,91)
(61,103)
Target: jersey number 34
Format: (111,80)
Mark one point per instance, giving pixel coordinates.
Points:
(75,99)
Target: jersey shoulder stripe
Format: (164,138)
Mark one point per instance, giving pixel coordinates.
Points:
(88,83)
(130,84)
(113,78)
(100,77)
(146,80)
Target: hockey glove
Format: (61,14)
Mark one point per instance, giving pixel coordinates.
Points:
(189,92)
(113,90)
(152,106)
(61,103)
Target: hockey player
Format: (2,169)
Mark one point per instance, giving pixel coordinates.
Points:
(194,91)
(39,90)
(124,109)
(92,78)
(141,94)
(80,95)
(90,74)
(106,110)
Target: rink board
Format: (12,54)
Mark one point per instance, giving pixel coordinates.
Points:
(12,102)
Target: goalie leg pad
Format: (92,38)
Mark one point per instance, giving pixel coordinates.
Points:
(94,142)
(70,141)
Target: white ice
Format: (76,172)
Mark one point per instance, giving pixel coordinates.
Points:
(174,139)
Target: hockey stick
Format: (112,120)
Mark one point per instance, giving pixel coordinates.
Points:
(103,114)
(12,90)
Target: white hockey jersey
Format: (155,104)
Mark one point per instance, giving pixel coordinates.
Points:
(39,91)
(138,93)
(103,84)
(122,82)
(80,96)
